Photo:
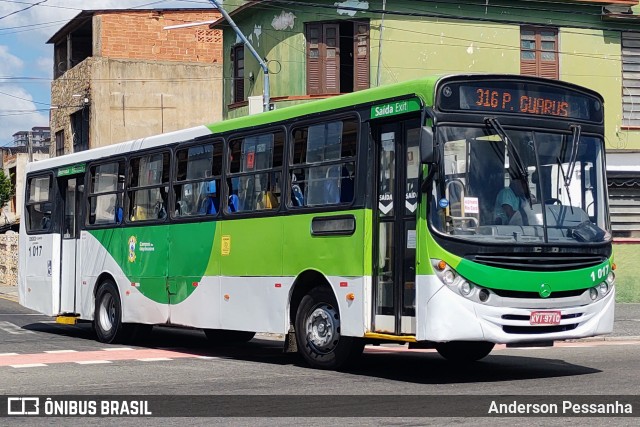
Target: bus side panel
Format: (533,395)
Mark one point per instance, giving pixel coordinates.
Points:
(107,251)
(194,274)
(202,308)
(39,275)
(254,294)
(344,259)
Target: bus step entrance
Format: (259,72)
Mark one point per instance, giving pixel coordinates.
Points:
(67,319)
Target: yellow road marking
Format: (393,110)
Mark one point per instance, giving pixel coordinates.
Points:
(9,298)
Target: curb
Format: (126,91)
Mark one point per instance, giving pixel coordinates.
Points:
(607,338)
(9,297)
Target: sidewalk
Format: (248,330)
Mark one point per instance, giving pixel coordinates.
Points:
(9,292)
(626,326)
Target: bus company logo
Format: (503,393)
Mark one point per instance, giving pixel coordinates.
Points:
(23,406)
(545,290)
(132,248)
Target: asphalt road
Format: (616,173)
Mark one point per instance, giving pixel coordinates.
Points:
(43,358)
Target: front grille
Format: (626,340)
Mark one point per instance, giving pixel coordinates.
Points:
(538,262)
(534,295)
(533,330)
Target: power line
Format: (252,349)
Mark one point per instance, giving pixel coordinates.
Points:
(22,10)
(24,99)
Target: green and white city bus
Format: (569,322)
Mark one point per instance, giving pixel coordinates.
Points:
(452,212)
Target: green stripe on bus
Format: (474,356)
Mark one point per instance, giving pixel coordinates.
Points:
(166,260)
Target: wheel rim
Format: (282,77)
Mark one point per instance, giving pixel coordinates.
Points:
(107,312)
(323,328)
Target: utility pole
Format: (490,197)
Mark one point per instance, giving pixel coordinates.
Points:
(266,99)
(30,145)
(384,8)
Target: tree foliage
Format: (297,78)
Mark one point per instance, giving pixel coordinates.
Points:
(6,189)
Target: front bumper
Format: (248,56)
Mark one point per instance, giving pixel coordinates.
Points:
(443,315)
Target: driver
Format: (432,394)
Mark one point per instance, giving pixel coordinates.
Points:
(508,208)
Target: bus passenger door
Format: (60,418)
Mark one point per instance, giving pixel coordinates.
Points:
(71,189)
(397,166)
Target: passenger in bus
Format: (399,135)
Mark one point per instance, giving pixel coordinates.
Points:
(45,221)
(208,204)
(162,202)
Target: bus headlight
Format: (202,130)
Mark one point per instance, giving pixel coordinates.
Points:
(611,277)
(603,288)
(593,293)
(465,288)
(484,295)
(448,277)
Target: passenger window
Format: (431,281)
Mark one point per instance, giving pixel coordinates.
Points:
(148,187)
(197,188)
(255,177)
(106,187)
(323,163)
(39,204)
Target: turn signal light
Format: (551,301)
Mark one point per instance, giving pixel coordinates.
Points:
(614,266)
(441,265)
(351,296)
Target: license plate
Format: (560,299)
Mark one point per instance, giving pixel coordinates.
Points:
(545,318)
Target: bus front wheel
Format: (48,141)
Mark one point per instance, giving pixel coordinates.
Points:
(318,332)
(464,351)
(107,319)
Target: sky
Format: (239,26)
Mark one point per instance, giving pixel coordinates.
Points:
(26,60)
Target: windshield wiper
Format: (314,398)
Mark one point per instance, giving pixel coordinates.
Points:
(565,178)
(575,130)
(522,173)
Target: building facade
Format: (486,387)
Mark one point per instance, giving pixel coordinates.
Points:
(40,136)
(120,75)
(321,48)
(14,163)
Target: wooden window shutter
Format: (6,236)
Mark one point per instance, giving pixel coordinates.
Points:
(548,62)
(314,63)
(331,33)
(361,56)
(237,59)
(631,79)
(539,52)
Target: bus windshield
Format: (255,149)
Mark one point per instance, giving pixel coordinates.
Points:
(520,186)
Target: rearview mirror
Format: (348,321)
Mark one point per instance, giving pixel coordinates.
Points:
(426,145)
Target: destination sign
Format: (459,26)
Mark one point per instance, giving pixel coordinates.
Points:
(531,99)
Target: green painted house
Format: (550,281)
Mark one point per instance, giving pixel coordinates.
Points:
(317,49)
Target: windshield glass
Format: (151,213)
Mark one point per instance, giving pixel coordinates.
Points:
(515,186)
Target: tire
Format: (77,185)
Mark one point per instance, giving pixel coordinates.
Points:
(107,320)
(318,332)
(464,351)
(221,336)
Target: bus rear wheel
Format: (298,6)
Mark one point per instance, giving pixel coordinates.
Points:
(220,336)
(464,351)
(318,332)
(107,319)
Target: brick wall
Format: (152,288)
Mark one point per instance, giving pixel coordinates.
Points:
(9,259)
(141,35)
